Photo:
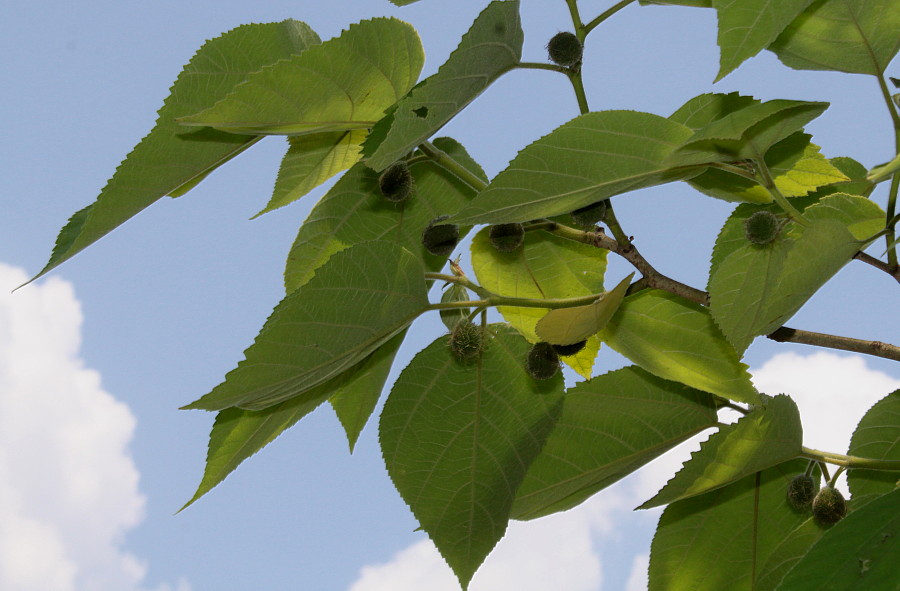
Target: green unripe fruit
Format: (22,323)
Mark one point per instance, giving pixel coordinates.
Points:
(801,492)
(440,239)
(587,217)
(569,350)
(396,182)
(762,227)
(542,362)
(466,340)
(565,49)
(507,237)
(829,506)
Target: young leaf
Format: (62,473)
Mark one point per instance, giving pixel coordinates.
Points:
(856,36)
(458,437)
(769,435)
(355,303)
(609,427)
(567,326)
(746,27)
(453,316)
(677,340)
(878,437)
(721,540)
(857,553)
(171,159)
(613,152)
(343,84)
(354,211)
(491,47)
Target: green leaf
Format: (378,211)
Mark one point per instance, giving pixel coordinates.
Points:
(354,211)
(857,183)
(856,36)
(769,435)
(455,292)
(746,27)
(704,109)
(788,552)
(491,47)
(677,340)
(547,266)
(754,289)
(355,303)
(610,426)
(721,540)
(171,159)
(878,437)
(590,158)
(858,553)
(694,3)
(458,437)
(567,326)
(343,84)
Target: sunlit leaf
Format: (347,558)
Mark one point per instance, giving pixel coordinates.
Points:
(677,340)
(878,437)
(457,439)
(609,427)
(491,47)
(770,434)
(567,326)
(789,551)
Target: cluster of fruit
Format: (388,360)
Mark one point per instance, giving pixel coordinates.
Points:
(828,505)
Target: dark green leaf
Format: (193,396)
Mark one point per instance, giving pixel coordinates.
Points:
(770,434)
(878,437)
(171,159)
(458,437)
(787,553)
(355,303)
(491,47)
(610,426)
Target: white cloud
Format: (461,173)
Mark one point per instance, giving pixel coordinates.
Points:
(560,552)
(68,486)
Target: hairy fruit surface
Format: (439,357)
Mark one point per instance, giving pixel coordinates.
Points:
(565,49)
(440,239)
(542,362)
(762,227)
(466,340)
(507,237)
(801,492)
(829,506)
(590,215)
(396,182)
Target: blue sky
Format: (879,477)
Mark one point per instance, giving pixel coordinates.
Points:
(95,458)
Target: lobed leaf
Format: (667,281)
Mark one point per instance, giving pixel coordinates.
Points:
(491,47)
(567,326)
(609,427)
(855,36)
(457,439)
(677,340)
(769,435)
(354,304)
(171,160)
(590,158)
(878,437)
(722,539)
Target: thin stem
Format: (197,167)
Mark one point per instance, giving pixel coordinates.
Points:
(578,87)
(733,169)
(878,264)
(576,18)
(498,300)
(850,461)
(443,159)
(895,182)
(605,15)
(609,218)
(725,403)
(540,66)
(876,348)
(766,180)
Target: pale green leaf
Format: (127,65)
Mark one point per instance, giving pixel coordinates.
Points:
(458,437)
(878,437)
(355,303)
(567,326)
(857,184)
(491,47)
(171,159)
(859,553)
(677,340)
(856,36)
(590,158)
(885,171)
(722,539)
(455,292)
(770,434)
(354,211)
(746,27)
(610,426)
(702,110)
(343,84)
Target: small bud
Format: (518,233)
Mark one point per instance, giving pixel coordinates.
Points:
(569,350)
(507,237)
(565,49)
(440,239)
(801,492)
(396,182)
(762,227)
(829,506)
(542,362)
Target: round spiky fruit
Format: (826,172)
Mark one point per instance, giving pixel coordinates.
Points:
(542,362)
(801,492)
(569,350)
(396,182)
(466,340)
(440,239)
(589,216)
(762,227)
(565,49)
(829,506)
(507,237)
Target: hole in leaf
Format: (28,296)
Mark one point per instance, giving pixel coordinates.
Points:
(421,112)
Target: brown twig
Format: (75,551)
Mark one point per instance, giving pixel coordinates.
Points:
(879,264)
(804,337)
